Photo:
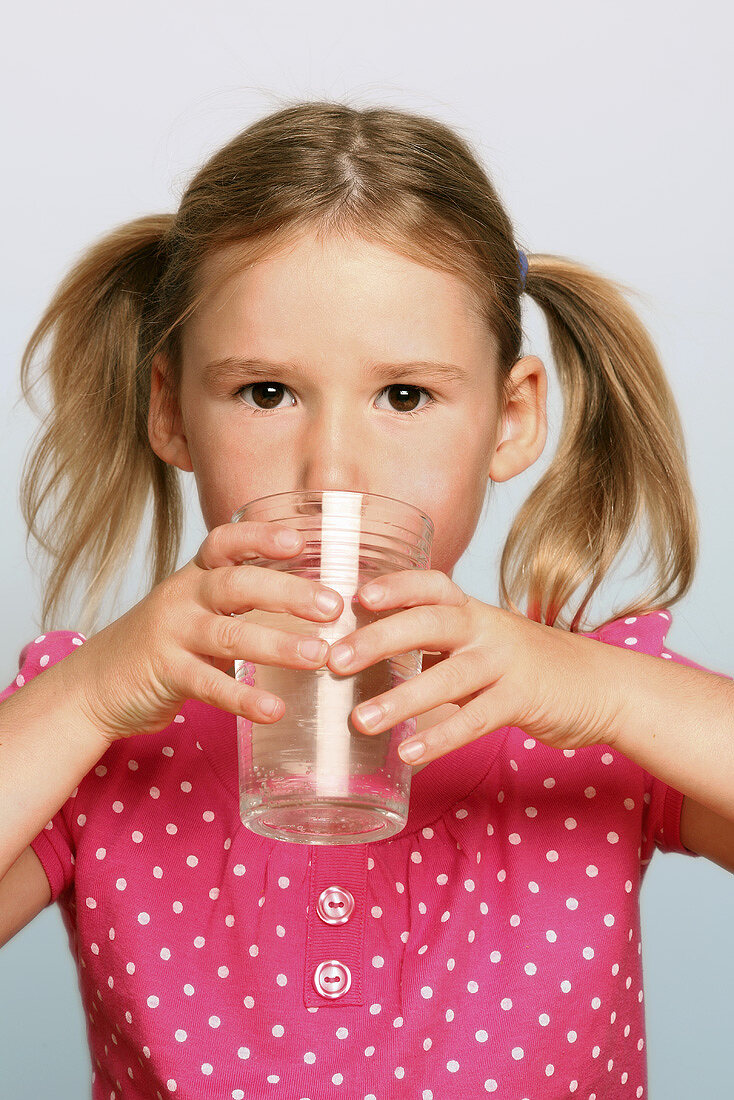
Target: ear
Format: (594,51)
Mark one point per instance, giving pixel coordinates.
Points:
(165,424)
(524,423)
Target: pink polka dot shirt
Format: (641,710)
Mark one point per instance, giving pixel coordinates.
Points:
(491,947)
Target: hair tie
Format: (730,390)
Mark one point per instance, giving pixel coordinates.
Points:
(523,262)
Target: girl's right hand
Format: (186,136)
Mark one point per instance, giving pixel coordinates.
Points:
(178,642)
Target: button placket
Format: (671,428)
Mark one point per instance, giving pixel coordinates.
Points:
(335,925)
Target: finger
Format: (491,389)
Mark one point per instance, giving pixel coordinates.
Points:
(237,589)
(435,627)
(233,543)
(455,678)
(219,690)
(468,724)
(410,588)
(235,638)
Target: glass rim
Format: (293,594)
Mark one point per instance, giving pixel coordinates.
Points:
(304,494)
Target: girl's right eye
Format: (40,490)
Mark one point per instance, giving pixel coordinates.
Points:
(264,386)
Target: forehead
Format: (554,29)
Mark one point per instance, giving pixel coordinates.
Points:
(335,287)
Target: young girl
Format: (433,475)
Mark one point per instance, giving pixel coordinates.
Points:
(337,304)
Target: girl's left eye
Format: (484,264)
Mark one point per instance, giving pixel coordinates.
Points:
(262,389)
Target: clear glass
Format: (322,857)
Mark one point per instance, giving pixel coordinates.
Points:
(312,777)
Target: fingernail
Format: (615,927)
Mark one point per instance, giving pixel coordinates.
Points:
(341,655)
(370,715)
(373,593)
(411,751)
(312,649)
(289,539)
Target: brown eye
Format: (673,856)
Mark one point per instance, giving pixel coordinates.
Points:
(398,394)
(266,392)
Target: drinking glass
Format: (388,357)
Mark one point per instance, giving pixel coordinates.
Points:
(312,777)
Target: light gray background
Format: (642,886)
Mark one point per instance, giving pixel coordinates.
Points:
(607,131)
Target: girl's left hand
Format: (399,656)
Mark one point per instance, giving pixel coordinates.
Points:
(500,668)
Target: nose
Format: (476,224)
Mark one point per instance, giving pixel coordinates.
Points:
(335,451)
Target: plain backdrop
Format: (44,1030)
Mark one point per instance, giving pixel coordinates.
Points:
(606,129)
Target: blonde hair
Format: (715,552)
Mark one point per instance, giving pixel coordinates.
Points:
(410,183)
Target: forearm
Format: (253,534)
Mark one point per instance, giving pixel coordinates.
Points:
(47,746)
(678,724)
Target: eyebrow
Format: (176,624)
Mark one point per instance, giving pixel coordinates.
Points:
(233,366)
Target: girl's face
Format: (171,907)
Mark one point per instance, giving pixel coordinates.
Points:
(338,328)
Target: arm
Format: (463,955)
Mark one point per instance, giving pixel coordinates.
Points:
(47,745)
(678,724)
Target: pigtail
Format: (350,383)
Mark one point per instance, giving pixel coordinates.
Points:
(621,456)
(93,467)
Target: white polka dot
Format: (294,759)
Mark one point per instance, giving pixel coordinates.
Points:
(170,1083)
(143,918)
(121,884)
(101,853)
(613,838)
(188,990)
(130,968)
(199,941)
(506,1003)
(551,856)
(181,1035)
(137,836)
(165,954)
(630,641)
(154,792)
(118,807)
(167,751)
(153,1001)
(214,1021)
(572,903)
(132,765)
(223,971)
(239,869)
(171,829)
(81,819)
(208,815)
(518,1053)
(186,786)
(192,861)
(100,770)
(588,952)
(207,1068)
(592,871)
(91,903)
(177,907)
(544,1019)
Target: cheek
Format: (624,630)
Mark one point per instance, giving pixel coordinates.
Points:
(453,499)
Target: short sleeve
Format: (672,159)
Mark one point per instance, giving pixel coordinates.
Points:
(54,845)
(665,802)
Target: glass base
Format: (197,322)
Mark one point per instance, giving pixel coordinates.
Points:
(326,821)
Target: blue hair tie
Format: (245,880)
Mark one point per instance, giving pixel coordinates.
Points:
(523,262)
